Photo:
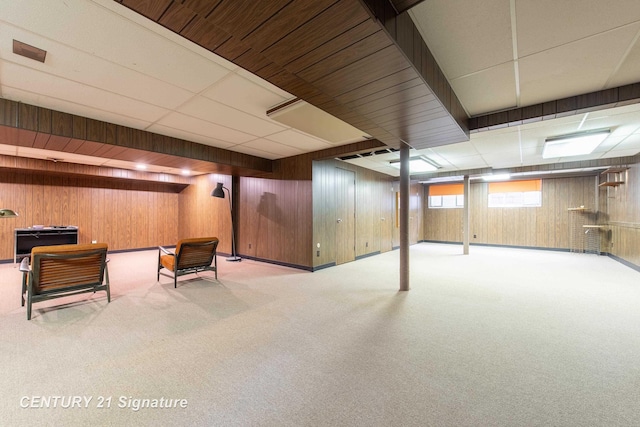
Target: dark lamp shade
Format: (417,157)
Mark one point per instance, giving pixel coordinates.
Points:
(7,213)
(218,192)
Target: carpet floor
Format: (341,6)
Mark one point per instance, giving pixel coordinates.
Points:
(501,337)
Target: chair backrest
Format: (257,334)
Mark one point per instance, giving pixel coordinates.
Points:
(196,252)
(67,266)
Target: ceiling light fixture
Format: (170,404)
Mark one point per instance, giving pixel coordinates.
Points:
(442,179)
(575,144)
(141,166)
(497,177)
(418,164)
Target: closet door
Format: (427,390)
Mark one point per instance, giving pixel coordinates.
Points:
(345,191)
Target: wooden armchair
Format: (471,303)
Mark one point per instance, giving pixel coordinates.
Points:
(191,256)
(63,270)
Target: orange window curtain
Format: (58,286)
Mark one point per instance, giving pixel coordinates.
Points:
(446,190)
(515,186)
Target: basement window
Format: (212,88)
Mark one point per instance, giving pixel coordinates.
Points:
(516,194)
(446,196)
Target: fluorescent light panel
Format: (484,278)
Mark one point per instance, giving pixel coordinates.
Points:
(577,144)
(497,177)
(417,165)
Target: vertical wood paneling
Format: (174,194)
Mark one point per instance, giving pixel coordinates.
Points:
(101,213)
(275,220)
(202,215)
(374,201)
(546,226)
(622,204)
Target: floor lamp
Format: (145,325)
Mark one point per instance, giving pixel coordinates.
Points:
(219,193)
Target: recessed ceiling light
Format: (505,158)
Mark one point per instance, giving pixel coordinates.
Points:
(141,166)
(185,172)
(576,144)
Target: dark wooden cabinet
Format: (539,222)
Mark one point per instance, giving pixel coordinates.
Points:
(27,238)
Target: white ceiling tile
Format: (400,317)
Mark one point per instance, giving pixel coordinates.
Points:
(214,112)
(505,142)
(627,73)
(244,95)
(459,149)
(272,147)
(263,83)
(632,142)
(32,98)
(74,65)
(575,68)
(31,80)
(203,128)
(469,162)
(544,24)
(497,160)
(446,26)
(620,153)
(103,33)
(256,152)
(189,136)
(299,140)
(488,90)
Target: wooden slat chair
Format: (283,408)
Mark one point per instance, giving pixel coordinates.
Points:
(190,256)
(63,270)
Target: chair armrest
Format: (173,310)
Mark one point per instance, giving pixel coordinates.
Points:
(24,265)
(166,251)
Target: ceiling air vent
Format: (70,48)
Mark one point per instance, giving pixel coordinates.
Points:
(28,51)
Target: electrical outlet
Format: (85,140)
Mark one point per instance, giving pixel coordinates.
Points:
(317,253)
(94,241)
(249,245)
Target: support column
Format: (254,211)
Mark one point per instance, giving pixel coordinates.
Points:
(465,216)
(404,217)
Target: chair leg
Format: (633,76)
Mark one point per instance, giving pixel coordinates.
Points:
(24,287)
(175,280)
(106,272)
(29,306)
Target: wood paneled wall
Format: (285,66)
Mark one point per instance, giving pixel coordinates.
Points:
(375,212)
(544,227)
(202,215)
(621,205)
(275,220)
(123,214)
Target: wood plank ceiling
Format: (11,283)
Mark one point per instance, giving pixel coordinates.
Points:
(358,60)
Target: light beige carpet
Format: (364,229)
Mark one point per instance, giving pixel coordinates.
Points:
(507,337)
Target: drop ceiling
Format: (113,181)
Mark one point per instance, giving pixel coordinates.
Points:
(109,63)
